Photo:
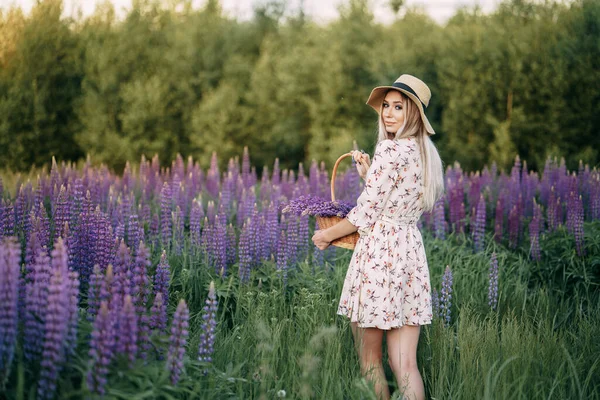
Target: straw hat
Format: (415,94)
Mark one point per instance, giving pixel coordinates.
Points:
(413,87)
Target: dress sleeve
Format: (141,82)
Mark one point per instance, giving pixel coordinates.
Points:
(379,182)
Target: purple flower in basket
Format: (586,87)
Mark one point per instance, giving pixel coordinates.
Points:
(317,206)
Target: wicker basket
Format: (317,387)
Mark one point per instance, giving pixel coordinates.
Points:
(348,241)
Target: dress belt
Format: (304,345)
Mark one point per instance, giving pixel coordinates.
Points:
(399,220)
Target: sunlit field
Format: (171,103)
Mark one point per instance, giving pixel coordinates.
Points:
(174,282)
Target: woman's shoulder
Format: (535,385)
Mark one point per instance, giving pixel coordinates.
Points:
(397,147)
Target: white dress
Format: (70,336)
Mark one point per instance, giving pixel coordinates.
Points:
(387,284)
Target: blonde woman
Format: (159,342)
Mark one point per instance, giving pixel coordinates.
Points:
(387,286)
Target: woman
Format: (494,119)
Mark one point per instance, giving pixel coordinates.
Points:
(387,286)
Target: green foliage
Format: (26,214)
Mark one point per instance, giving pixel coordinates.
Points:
(172,79)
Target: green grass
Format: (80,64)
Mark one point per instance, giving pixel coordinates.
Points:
(541,343)
(538,344)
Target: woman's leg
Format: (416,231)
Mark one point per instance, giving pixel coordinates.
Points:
(368,345)
(402,352)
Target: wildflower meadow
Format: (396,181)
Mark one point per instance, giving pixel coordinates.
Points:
(175,282)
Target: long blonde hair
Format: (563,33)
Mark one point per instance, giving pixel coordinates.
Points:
(433,173)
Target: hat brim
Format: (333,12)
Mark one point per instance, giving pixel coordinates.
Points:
(378,94)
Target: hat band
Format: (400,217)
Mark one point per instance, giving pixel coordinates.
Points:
(404,86)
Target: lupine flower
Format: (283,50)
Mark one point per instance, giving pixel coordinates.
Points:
(479,228)
(439,220)
(209,324)
(127,337)
(177,341)
(499,220)
(93,301)
(446,295)
(493,282)
(245,258)
(578,227)
(73,311)
(534,231)
(435,302)
(513,227)
(166,199)
(133,233)
(162,277)
(141,293)
(36,298)
(55,333)
(9,281)
(101,350)
(313,205)
(158,314)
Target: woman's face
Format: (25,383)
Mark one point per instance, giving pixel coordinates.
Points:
(393,111)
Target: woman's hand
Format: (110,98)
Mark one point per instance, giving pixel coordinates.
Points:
(363,162)
(320,240)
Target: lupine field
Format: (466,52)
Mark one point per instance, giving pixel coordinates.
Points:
(174,282)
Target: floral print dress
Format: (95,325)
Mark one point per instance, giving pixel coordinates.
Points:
(387,284)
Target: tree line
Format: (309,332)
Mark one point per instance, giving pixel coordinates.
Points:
(524,80)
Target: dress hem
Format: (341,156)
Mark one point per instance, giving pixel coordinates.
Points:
(386,327)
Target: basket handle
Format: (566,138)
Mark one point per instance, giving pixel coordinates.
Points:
(335,167)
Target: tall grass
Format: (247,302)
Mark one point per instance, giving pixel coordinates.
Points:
(275,340)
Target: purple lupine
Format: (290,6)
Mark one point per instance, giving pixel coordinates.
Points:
(479,228)
(552,215)
(209,325)
(314,205)
(493,282)
(122,271)
(93,302)
(499,220)
(439,220)
(165,214)
(303,238)
(513,227)
(446,295)
(9,284)
(133,233)
(534,231)
(178,228)
(127,337)
(219,243)
(141,293)
(162,277)
(245,258)
(55,332)
(578,227)
(435,302)
(101,350)
(158,314)
(61,213)
(72,287)
(36,297)
(177,341)
(8,219)
(211,211)
(291,245)
(595,198)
